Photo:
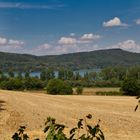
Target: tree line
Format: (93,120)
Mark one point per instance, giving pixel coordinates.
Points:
(107,77)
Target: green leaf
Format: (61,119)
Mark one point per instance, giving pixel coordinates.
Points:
(15,136)
(25,137)
(102,136)
(73,130)
(89,116)
(46,129)
(71,137)
(80,123)
(98,138)
(89,127)
(136,107)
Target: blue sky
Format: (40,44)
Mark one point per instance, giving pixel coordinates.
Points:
(47,27)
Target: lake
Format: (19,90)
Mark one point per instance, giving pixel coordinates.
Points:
(81,72)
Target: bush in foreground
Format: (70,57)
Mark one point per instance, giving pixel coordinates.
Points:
(55,131)
(58,87)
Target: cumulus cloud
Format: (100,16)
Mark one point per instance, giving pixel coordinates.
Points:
(49,49)
(67,41)
(128,45)
(85,38)
(90,37)
(10,45)
(138,21)
(68,45)
(55,48)
(45,46)
(114,22)
(15,43)
(42,49)
(3,41)
(64,45)
(61,49)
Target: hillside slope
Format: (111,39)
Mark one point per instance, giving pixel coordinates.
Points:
(99,58)
(81,60)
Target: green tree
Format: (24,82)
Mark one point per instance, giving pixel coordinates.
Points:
(86,76)
(65,74)
(117,72)
(50,74)
(57,86)
(93,76)
(27,74)
(69,75)
(77,76)
(11,74)
(79,90)
(43,75)
(12,84)
(33,83)
(134,72)
(3,77)
(61,74)
(19,75)
(130,86)
(46,75)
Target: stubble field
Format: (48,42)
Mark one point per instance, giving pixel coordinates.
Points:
(118,119)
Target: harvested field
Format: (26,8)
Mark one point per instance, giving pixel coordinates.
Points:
(92,91)
(118,119)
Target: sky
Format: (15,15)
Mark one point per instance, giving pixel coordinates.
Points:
(50,27)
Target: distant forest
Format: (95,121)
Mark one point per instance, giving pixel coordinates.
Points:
(73,61)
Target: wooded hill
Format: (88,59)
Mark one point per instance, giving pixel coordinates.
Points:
(81,60)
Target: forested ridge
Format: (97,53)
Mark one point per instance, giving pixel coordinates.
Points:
(74,61)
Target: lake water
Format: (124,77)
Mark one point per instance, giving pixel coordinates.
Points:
(81,72)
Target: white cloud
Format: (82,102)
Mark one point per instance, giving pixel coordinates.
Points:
(10,45)
(42,49)
(90,37)
(114,22)
(3,41)
(45,46)
(67,41)
(138,21)
(18,5)
(72,34)
(85,38)
(64,45)
(15,43)
(128,45)
(68,45)
(55,48)
(62,49)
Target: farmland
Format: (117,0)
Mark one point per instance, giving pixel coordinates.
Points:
(118,119)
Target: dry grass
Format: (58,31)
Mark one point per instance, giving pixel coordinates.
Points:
(119,121)
(92,91)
